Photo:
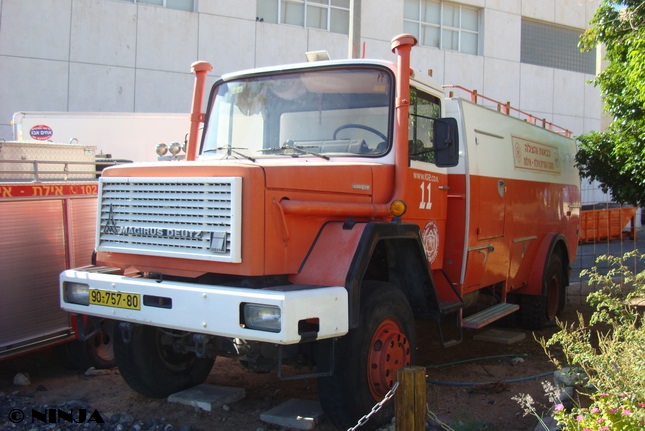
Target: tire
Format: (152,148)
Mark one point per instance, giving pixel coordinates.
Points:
(100,348)
(367,358)
(539,312)
(155,370)
(97,352)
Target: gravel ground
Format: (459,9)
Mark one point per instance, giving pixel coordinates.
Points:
(17,410)
(52,387)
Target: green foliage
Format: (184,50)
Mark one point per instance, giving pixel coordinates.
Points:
(610,350)
(616,156)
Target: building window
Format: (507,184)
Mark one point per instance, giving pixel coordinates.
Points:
(554,46)
(329,15)
(188,5)
(443,25)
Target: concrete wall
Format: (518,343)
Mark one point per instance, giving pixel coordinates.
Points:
(107,55)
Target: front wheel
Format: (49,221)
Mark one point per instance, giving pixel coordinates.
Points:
(151,367)
(367,358)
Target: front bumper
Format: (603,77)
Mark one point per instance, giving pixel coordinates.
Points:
(215,310)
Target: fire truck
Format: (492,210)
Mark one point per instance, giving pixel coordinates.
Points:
(48,195)
(326,207)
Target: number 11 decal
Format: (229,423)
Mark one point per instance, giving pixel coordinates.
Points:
(425,204)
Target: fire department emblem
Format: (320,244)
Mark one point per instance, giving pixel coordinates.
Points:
(518,153)
(430,237)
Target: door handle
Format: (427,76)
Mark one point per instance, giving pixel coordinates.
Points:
(501,188)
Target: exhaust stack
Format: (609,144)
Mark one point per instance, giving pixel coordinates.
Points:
(402,45)
(200,69)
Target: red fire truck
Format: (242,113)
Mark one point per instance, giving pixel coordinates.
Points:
(48,212)
(326,207)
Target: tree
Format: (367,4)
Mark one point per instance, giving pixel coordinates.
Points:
(616,157)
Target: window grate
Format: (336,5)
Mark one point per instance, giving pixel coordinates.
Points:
(554,46)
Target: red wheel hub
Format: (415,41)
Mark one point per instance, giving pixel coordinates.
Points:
(553,297)
(389,351)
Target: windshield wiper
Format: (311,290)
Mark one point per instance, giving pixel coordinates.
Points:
(289,145)
(231,150)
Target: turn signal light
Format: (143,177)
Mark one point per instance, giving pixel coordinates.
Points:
(398,208)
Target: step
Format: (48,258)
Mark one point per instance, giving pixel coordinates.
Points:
(450,307)
(489,315)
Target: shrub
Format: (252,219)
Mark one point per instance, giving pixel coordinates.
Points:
(610,351)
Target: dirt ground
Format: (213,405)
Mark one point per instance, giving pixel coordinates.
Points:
(470,395)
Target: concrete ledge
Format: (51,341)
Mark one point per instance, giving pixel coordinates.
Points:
(294,414)
(208,397)
(500,336)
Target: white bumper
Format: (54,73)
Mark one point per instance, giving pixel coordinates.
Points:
(216,310)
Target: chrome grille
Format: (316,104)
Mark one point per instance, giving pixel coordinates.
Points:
(190,218)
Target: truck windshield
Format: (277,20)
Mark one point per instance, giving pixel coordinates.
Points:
(308,113)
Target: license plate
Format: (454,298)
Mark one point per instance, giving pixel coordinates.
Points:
(107,298)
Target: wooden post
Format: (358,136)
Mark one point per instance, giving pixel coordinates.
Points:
(411,399)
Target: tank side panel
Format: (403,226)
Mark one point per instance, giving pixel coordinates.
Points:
(523,185)
(31,258)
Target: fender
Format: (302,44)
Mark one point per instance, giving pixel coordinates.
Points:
(547,247)
(328,260)
(342,254)
(407,267)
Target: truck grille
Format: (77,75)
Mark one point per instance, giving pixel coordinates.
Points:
(189,218)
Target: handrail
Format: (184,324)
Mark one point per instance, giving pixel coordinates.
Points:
(52,162)
(506,108)
(36,174)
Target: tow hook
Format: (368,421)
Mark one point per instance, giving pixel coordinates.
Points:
(125,328)
(200,345)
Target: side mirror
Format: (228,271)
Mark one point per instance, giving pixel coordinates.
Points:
(446,142)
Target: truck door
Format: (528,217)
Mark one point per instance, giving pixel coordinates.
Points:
(427,184)
(491,197)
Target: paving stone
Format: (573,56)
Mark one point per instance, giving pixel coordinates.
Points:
(294,414)
(502,336)
(208,397)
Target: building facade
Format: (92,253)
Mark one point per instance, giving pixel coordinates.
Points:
(135,55)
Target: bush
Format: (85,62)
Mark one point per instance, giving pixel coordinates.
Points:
(610,351)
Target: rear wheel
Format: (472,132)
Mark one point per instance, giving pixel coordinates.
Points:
(538,312)
(367,358)
(152,368)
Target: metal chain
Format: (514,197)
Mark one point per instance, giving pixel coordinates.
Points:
(362,421)
(438,421)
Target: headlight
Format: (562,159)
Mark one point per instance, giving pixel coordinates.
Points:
(175,148)
(161,149)
(76,293)
(262,317)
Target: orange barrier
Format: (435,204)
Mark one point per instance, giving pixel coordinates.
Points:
(607,224)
